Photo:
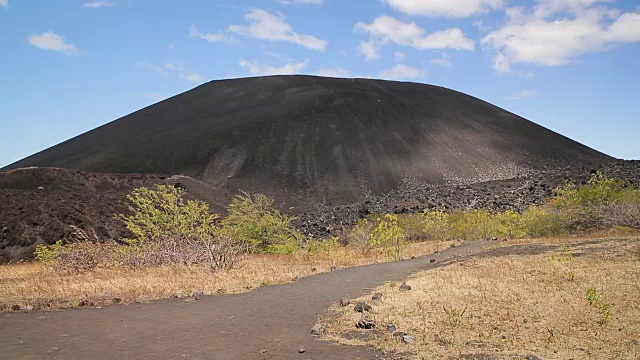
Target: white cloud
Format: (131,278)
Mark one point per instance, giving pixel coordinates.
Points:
(334,72)
(52,41)
(444,8)
(174,68)
(369,50)
(278,56)
(97,4)
(290,2)
(527,75)
(210,37)
(398,56)
(501,63)
(523,94)
(156,97)
(258,69)
(442,61)
(555,32)
(402,72)
(4,3)
(192,76)
(387,29)
(273,27)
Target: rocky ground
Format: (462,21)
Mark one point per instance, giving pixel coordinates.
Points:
(43,205)
(40,205)
(512,194)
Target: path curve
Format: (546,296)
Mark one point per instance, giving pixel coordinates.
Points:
(277,319)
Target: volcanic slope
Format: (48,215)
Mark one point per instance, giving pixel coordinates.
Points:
(326,141)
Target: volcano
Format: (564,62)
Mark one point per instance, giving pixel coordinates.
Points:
(306,139)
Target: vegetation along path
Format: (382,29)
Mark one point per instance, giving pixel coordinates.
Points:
(267,323)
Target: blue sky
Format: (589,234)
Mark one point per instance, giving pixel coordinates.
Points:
(69,66)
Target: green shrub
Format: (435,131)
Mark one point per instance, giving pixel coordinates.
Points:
(413,225)
(543,221)
(595,299)
(600,204)
(360,236)
(169,230)
(592,296)
(74,257)
(388,234)
(162,212)
(436,225)
(49,253)
(253,219)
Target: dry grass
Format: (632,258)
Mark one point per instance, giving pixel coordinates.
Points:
(509,306)
(35,285)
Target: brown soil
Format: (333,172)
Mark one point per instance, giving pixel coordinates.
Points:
(277,319)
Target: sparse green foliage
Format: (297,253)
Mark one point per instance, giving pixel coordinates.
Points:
(170,230)
(49,253)
(388,234)
(595,299)
(254,219)
(539,221)
(74,257)
(163,212)
(592,296)
(437,224)
(360,235)
(603,203)
(167,230)
(565,258)
(600,204)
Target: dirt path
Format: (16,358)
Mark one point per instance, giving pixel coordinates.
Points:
(268,323)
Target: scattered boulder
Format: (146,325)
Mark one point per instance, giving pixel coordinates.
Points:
(532,357)
(408,339)
(16,307)
(345,302)
(317,330)
(431,261)
(333,268)
(366,323)
(362,307)
(116,300)
(376,297)
(392,328)
(197,295)
(142,298)
(28,308)
(301,350)
(264,351)
(405,287)
(399,334)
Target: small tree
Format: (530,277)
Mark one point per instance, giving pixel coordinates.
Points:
(360,235)
(253,219)
(389,235)
(168,229)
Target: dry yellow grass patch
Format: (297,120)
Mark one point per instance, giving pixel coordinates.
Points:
(33,284)
(508,306)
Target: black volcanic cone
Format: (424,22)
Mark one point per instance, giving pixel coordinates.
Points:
(306,139)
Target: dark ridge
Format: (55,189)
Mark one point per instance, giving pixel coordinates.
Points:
(311,140)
